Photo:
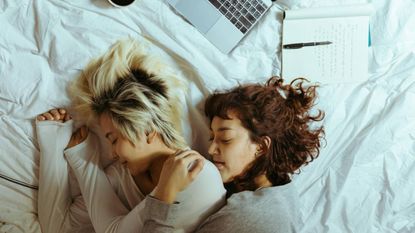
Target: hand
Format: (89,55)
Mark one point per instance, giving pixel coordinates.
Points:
(58,114)
(177,173)
(79,136)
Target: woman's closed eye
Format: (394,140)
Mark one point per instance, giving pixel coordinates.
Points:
(226,141)
(114,141)
(221,140)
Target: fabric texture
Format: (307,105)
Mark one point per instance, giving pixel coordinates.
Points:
(370,127)
(61,207)
(267,210)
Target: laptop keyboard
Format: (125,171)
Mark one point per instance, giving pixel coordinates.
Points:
(242,13)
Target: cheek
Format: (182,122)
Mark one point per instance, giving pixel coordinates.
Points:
(124,149)
(238,158)
(242,162)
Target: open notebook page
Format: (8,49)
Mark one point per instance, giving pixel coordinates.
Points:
(345,60)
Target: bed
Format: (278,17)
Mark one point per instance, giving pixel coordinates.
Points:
(364,178)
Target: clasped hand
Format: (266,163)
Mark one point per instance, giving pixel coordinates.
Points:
(177,173)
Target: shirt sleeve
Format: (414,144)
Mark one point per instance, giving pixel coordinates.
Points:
(60,208)
(202,198)
(159,217)
(105,209)
(79,218)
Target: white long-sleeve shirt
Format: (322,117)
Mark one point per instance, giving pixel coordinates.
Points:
(115,204)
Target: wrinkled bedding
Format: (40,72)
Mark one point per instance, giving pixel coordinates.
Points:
(364,177)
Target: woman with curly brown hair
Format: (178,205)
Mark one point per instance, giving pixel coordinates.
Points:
(260,136)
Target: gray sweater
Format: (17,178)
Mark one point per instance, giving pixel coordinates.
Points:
(266,210)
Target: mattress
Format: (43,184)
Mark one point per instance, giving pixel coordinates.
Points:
(364,177)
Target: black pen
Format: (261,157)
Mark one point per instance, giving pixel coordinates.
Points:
(300,45)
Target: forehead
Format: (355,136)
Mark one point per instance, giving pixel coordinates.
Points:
(106,124)
(220,124)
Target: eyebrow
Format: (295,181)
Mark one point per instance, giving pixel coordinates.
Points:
(223,129)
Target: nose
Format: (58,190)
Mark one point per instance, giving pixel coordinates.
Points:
(114,153)
(213,148)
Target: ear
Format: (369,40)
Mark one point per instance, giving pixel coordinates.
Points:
(267,141)
(260,149)
(151,136)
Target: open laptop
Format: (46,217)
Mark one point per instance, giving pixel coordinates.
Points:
(223,22)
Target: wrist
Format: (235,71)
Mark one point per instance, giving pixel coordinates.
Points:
(165,196)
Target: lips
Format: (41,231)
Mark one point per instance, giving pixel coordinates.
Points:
(219,164)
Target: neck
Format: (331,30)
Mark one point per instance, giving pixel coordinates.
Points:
(262,182)
(147,179)
(158,153)
(156,164)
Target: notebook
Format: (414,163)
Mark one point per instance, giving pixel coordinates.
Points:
(343,34)
(223,22)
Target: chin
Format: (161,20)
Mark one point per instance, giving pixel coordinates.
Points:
(225,177)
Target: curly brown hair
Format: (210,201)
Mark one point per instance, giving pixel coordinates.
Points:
(281,112)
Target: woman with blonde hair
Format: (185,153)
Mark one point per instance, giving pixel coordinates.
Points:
(260,136)
(130,95)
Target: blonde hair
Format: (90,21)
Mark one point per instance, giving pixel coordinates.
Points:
(135,90)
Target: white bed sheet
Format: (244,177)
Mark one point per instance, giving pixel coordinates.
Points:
(363,180)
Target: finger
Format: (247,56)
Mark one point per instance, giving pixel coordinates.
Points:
(190,159)
(182,154)
(48,116)
(56,115)
(78,137)
(41,118)
(67,117)
(196,169)
(83,132)
(185,153)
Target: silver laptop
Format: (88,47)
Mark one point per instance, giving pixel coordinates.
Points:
(223,22)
